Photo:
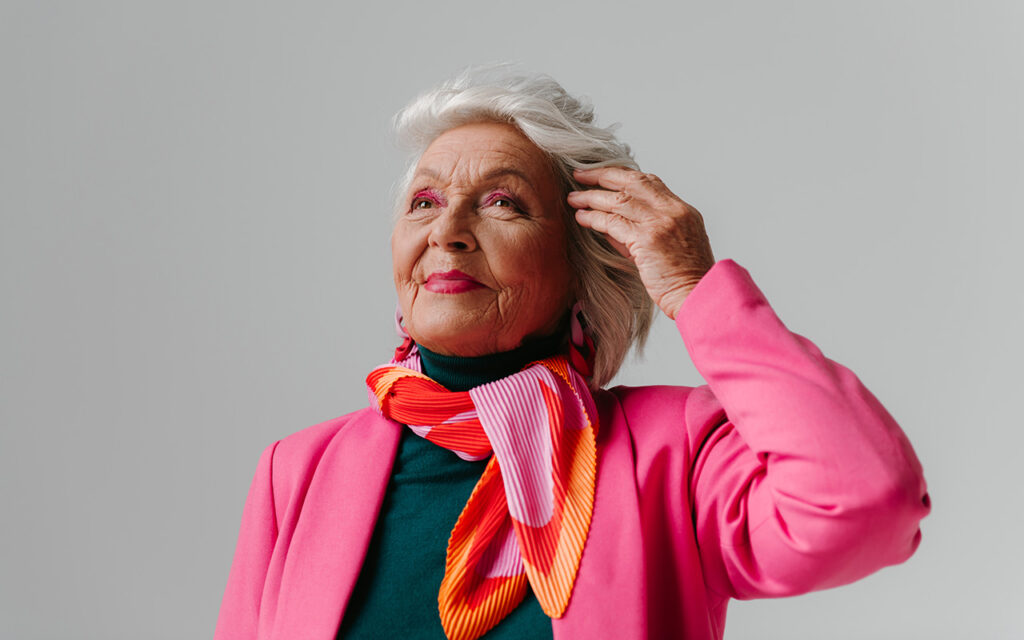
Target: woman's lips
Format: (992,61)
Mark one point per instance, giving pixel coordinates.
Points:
(453,281)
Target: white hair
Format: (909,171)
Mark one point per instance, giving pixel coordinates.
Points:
(615,302)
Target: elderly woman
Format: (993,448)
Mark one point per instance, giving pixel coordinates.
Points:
(493,488)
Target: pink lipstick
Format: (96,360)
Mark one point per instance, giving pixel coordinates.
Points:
(453,281)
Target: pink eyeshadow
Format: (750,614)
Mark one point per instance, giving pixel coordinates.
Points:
(431,195)
(499,195)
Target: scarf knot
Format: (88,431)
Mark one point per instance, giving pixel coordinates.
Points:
(529,514)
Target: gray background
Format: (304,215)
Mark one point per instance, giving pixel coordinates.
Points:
(195,260)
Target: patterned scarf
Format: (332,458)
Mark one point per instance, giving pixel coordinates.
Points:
(529,514)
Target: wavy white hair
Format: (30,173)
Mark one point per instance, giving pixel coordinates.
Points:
(615,303)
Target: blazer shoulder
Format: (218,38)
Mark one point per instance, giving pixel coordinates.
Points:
(301,451)
(668,415)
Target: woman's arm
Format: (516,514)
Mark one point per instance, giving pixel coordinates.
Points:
(804,481)
(239,610)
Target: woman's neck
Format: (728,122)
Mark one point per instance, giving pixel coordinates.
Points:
(457,373)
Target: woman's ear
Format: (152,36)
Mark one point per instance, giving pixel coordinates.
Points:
(581,342)
(399,319)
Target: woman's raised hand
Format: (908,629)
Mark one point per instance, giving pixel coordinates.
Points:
(649,224)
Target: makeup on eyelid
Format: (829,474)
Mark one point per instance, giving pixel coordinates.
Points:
(432,196)
(501,195)
(439,200)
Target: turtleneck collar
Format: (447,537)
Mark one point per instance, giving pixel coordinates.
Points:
(457,373)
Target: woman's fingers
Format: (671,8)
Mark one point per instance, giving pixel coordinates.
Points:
(619,202)
(616,229)
(636,183)
(662,234)
(607,177)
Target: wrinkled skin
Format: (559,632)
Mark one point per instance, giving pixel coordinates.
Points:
(485,201)
(663,235)
(506,230)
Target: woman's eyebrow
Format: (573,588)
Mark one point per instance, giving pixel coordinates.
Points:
(499,172)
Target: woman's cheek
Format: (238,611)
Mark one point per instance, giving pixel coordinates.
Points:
(403,252)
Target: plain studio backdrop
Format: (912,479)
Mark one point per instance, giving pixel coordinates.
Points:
(195,201)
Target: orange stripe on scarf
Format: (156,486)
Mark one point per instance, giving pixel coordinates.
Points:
(491,553)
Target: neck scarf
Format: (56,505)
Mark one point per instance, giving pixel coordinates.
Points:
(529,514)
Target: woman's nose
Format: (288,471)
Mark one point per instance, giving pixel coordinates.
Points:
(451,231)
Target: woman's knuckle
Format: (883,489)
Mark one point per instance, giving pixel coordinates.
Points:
(647,179)
(661,227)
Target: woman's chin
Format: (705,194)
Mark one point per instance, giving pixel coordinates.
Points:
(456,346)
(461,340)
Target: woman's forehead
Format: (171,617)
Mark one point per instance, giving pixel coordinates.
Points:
(484,152)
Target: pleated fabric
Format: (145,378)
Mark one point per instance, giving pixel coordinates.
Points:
(528,516)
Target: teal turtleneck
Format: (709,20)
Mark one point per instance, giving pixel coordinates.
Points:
(457,373)
(396,594)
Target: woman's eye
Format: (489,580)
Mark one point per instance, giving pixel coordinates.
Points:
(422,203)
(503,202)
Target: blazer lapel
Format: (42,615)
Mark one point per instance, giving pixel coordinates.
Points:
(333,531)
(609,599)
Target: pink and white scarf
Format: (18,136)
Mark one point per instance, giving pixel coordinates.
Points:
(529,514)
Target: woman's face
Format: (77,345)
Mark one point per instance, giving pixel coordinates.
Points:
(479,249)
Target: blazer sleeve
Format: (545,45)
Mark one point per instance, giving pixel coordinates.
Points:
(800,479)
(239,610)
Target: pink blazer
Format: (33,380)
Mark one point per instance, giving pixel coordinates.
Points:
(783,474)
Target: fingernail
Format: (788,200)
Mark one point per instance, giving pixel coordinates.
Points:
(573,193)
